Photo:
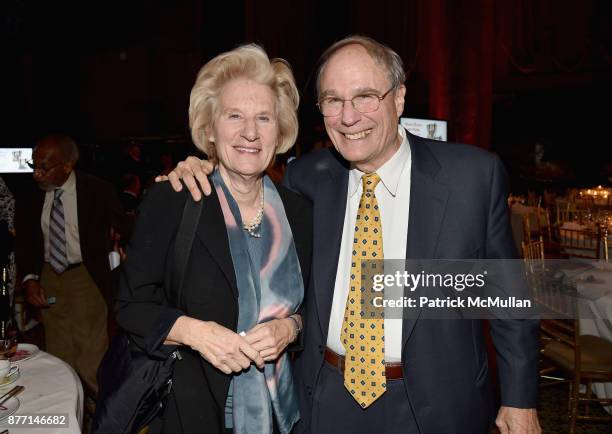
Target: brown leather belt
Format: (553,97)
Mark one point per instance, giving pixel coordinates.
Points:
(69,267)
(393,371)
(73,266)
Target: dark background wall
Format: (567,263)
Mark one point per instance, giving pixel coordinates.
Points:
(505,74)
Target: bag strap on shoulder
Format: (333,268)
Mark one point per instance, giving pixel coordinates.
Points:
(183,244)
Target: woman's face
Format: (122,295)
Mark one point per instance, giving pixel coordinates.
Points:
(245,130)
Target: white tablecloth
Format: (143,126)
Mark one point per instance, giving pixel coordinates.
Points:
(596,298)
(51,386)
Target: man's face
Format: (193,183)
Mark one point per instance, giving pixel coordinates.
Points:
(135,152)
(51,169)
(367,140)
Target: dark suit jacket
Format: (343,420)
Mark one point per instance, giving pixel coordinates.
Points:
(209,294)
(458,210)
(98,209)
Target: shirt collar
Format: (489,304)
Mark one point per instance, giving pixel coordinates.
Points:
(390,172)
(69,187)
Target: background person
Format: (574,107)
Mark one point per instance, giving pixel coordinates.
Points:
(63,242)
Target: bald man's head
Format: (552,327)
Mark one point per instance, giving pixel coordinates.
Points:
(54,159)
(64,144)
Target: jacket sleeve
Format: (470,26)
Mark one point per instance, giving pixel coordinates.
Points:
(516,341)
(305,216)
(142,307)
(300,217)
(288,178)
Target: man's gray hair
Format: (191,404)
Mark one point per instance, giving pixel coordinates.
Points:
(380,53)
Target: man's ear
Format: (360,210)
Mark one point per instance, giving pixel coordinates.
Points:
(400,95)
(68,167)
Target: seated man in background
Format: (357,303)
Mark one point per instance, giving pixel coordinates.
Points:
(63,242)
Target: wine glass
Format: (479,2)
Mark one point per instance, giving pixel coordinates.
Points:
(8,347)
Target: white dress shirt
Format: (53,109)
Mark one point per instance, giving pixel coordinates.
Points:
(393,195)
(69,200)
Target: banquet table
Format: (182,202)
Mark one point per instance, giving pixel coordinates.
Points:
(51,387)
(599,204)
(594,285)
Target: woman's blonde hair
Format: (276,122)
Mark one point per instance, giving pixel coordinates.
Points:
(250,62)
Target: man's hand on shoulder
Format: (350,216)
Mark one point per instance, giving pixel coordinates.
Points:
(511,420)
(192,171)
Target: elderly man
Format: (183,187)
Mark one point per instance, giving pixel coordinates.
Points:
(417,199)
(63,241)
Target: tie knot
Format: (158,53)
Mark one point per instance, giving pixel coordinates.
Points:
(370,181)
(58,193)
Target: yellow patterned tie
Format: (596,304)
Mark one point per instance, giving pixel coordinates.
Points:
(364,337)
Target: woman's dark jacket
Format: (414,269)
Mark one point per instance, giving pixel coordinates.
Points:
(209,293)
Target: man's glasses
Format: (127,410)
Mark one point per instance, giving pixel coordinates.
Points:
(364,103)
(43,171)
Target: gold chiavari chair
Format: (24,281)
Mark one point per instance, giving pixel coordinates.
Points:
(533,257)
(545,228)
(531,227)
(584,359)
(570,212)
(527,235)
(533,253)
(533,199)
(543,219)
(564,212)
(583,243)
(604,233)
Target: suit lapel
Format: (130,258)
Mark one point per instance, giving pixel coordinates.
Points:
(38,202)
(329,212)
(212,233)
(84,203)
(428,198)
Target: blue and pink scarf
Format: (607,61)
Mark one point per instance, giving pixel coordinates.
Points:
(270,286)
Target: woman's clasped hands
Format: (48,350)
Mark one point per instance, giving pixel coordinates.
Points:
(229,351)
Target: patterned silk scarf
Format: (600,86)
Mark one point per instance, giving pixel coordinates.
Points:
(270,286)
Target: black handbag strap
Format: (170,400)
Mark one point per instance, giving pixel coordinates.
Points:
(183,244)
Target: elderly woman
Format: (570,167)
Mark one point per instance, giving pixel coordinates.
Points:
(244,281)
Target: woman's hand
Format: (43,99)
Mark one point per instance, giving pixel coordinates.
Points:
(272,337)
(224,349)
(189,171)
